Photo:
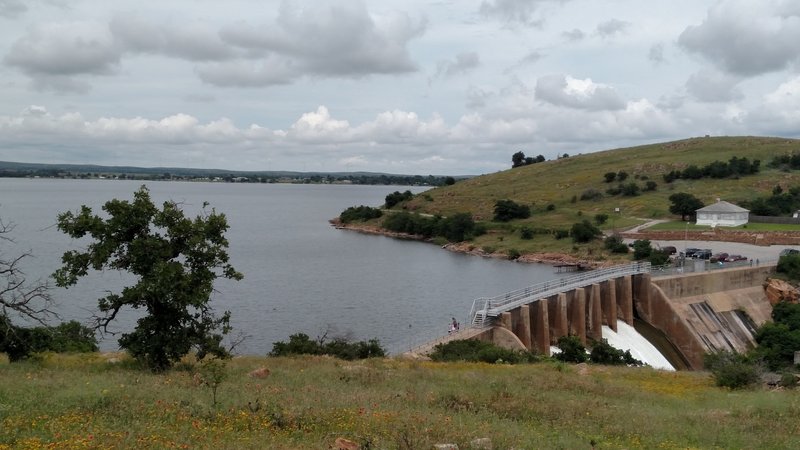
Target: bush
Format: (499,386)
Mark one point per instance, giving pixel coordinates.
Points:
(641,249)
(301,344)
(506,210)
(789,265)
(513,253)
(630,189)
(396,197)
(560,234)
(361,213)
(603,353)
(650,186)
(526,233)
(732,370)
(583,232)
(69,337)
(615,244)
(572,349)
(591,194)
(600,219)
(479,351)
(609,177)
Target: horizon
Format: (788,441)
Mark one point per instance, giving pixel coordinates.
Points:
(396,87)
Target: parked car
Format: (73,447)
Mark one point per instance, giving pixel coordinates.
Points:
(670,250)
(789,251)
(702,254)
(734,258)
(721,256)
(691,251)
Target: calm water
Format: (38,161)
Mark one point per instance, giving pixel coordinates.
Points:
(301,274)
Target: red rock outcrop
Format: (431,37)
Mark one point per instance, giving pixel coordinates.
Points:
(780,291)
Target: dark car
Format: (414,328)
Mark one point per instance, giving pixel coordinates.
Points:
(691,251)
(734,258)
(702,254)
(789,251)
(670,250)
(722,256)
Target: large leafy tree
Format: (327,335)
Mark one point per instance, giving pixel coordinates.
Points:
(684,204)
(175,260)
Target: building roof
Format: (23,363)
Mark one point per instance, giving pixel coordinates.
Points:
(722,207)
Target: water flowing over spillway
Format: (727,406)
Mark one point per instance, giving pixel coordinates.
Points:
(627,338)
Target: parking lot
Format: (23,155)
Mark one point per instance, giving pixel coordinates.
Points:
(762,253)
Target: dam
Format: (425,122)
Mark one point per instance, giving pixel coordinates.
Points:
(685,315)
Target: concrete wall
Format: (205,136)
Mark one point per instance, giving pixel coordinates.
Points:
(697,312)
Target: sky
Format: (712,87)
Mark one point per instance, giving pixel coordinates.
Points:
(405,87)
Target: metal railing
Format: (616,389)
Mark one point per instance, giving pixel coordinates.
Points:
(485,307)
(707,266)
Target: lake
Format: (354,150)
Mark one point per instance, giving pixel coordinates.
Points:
(300,273)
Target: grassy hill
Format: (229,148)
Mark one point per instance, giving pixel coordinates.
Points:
(84,401)
(561,183)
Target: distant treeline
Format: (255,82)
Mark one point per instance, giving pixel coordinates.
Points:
(18,170)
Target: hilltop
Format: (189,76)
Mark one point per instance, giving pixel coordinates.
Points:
(553,190)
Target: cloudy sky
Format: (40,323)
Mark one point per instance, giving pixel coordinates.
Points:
(412,86)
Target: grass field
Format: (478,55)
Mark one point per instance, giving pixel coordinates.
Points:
(306,403)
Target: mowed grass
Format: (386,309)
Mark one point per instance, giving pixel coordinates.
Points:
(306,403)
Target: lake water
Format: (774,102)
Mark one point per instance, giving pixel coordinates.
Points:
(301,274)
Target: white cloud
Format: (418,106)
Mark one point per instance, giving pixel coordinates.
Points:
(192,41)
(463,63)
(522,12)
(562,90)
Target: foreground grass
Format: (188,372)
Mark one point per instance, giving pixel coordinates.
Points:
(306,403)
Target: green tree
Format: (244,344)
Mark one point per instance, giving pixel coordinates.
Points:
(517,159)
(175,260)
(684,204)
(583,232)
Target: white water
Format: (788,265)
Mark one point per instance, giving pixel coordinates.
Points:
(627,338)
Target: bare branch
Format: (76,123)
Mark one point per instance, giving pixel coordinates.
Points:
(30,300)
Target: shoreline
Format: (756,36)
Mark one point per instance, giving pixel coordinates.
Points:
(549,258)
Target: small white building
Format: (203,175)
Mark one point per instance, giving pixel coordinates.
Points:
(722,214)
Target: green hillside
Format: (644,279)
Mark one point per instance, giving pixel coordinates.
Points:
(561,183)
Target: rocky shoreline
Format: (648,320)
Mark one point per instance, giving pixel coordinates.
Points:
(554,259)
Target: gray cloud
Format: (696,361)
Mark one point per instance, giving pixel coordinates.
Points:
(747,38)
(656,53)
(339,40)
(64,50)
(463,63)
(561,90)
(611,28)
(523,12)
(574,35)
(712,87)
(12,8)
(193,42)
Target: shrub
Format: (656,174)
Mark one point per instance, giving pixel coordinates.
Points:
(513,253)
(583,232)
(506,210)
(560,234)
(550,207)
(615,244)
(732,370)
(572,349)
(650,186)
(396,197)
(603,353)
(20,343)
(479,351)
(641,249)
(630,189)
(789,265)
(622,176)
(591,194)
(362,213)
(600,219)
(526,233)
(610,177)
(301,344)
(612,191)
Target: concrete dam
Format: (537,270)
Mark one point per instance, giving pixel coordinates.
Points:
(685,315)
